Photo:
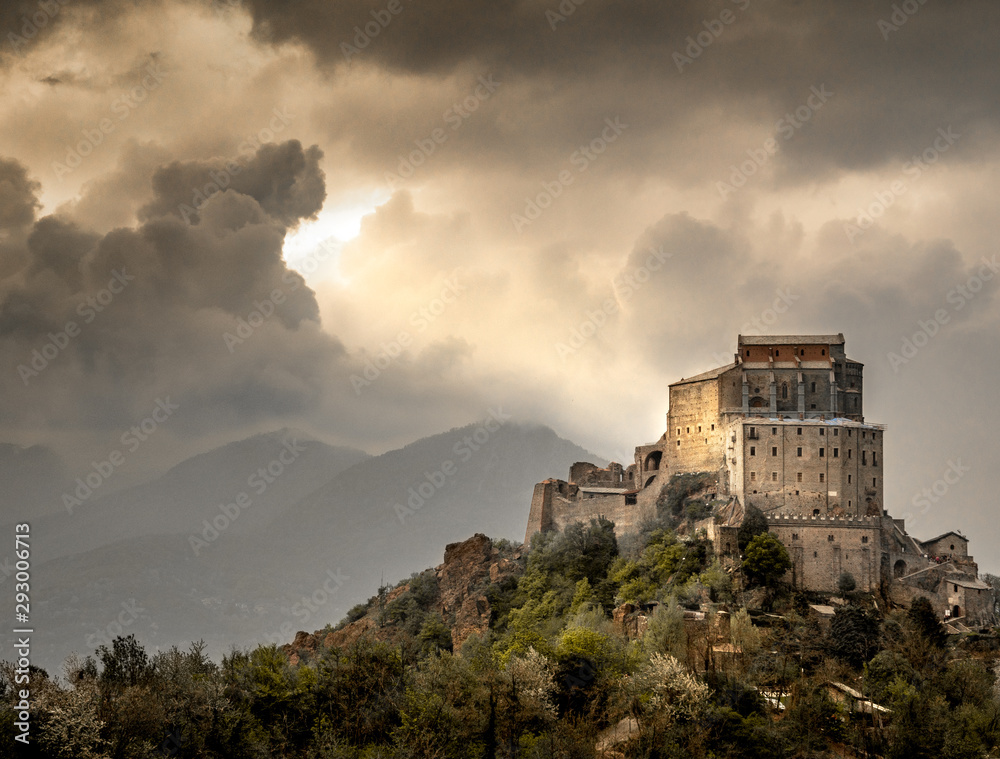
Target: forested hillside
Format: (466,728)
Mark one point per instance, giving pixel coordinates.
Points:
(578,647)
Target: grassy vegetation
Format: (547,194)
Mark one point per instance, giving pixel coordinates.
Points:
(553,672)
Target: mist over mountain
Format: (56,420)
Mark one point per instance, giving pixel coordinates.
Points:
(192,491)
(32,480)
(180,559)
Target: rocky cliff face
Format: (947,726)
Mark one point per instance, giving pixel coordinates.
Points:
(468,569)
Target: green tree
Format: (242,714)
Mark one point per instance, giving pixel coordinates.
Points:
(853,636)
(754,523)
(360,690)
(434,635)
(846,583)
(883,670)
(765,559)
(443,712)
(926,623)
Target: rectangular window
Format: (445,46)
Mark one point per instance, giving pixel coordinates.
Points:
(848,505)
(821,432)
(798,476)
(753,450)
(822,477)
(874,480)
(864,458)
(798,452)
(774,430)
(795,536)
(678,443)
(849,452)
(678,430)
(699,428)
(713,427)
(822,452)
(798,431)
(753,476)
(812,388)
(829,538)
(848,479)
(774,476)
(874,460)
(864,538)
(836,453)
(836,433)
(687,430)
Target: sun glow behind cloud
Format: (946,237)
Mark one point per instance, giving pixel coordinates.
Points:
(313,249)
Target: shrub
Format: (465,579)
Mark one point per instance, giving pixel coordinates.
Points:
(766,559)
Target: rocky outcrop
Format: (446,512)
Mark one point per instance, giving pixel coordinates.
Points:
(469,568)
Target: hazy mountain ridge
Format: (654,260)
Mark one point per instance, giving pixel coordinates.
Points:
(258,577)
(32,477)
(190,492)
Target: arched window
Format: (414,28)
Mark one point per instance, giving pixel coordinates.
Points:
(784,390)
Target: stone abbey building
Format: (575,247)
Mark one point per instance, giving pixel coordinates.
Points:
(781,428)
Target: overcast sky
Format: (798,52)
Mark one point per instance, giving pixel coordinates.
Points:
(422,210)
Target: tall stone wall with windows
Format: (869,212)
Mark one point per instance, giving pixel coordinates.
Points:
(808,467)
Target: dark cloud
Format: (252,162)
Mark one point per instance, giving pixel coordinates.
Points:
(284,179)
(18,196)
(891,89)
(207,312)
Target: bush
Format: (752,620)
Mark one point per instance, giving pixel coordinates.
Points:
(675,494)
(926,623)
(766,559)
(854,635)
(846,583)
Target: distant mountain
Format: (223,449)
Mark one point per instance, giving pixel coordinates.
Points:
(272,470)
(33,479)
(284,564)
(390,515)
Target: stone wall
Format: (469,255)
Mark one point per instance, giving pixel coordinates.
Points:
(556,504)
(808,467)
(823,548)
(694,441)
